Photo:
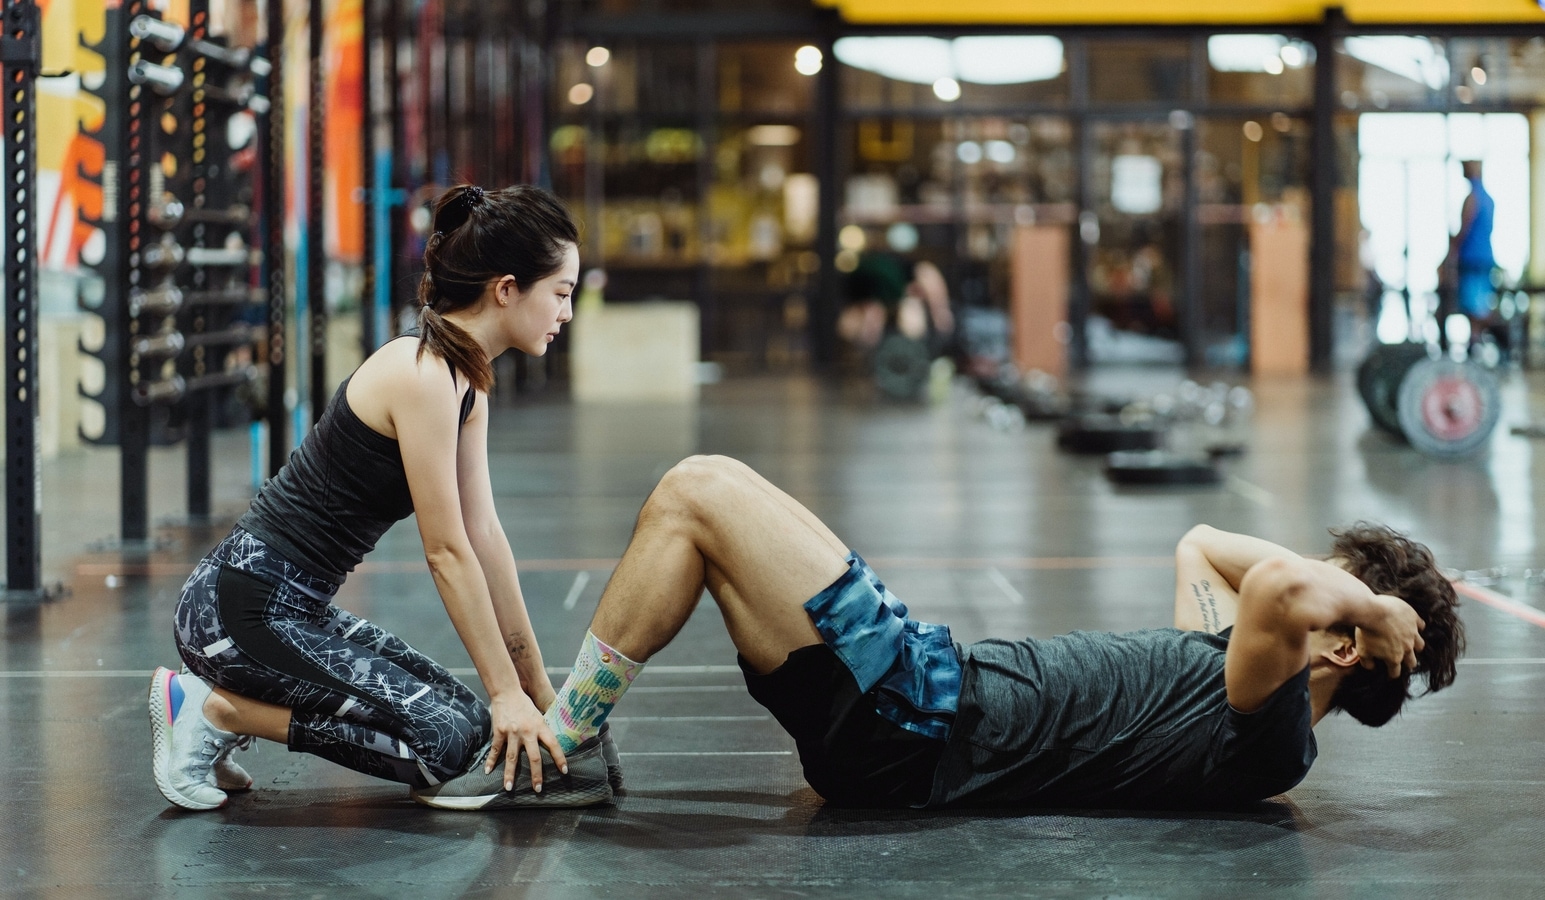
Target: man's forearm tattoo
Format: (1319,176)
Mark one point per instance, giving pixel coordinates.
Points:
(1208,604)
(519,647)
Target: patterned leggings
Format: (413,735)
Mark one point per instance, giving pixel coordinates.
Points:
(256,624)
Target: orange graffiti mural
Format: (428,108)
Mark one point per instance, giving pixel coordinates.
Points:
(345,123)
(83,161)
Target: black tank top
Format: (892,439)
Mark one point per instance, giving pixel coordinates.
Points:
(341,489)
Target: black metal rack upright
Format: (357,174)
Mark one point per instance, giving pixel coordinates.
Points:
(316,229)
(132,230)
(275,278)
(20,57)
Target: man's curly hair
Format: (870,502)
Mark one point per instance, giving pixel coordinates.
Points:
(1391,563)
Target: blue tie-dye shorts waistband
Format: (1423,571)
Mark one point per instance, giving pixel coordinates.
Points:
(912,665)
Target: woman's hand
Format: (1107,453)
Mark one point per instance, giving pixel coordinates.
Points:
(518,725)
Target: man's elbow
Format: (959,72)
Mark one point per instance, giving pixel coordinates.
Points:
(1275,580)
(1197,536)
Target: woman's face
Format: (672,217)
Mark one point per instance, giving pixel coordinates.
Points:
(539,312)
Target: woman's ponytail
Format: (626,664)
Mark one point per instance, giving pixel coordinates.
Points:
(480,237)
(437,334)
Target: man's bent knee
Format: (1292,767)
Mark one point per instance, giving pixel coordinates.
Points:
(688,489)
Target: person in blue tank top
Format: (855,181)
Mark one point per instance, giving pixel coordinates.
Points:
(267,653)
(887,711)
(1467,269)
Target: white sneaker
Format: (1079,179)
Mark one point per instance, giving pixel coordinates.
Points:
(184,745)
(227,774)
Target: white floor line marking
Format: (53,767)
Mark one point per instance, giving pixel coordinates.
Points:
(621,719)
(653,670)
(708,753)
(1504,661)
(1003,585)
(1252,492)
(687,689)
(580,580)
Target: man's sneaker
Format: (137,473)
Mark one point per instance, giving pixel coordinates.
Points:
(585,785)
(184,745)
(227,774)
(613,761)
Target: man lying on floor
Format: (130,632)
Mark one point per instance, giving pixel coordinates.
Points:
(888,711)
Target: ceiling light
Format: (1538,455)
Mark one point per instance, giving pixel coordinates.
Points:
(1244,52)
(978,59)
(598,56)
(1409,57)
(808,59)
(947,89)
(580,94)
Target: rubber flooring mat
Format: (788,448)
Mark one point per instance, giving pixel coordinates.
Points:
(995,533)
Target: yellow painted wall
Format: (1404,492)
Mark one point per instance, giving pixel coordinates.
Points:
(1168,12)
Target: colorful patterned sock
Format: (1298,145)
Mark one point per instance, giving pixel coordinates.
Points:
(599,677)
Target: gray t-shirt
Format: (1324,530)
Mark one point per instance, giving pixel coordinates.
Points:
(1093,719)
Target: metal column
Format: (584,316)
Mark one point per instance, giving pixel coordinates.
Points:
(135,248)
(372,189)
(824,305)
(276,278)
(1322,248)
(316,227)
(20,56)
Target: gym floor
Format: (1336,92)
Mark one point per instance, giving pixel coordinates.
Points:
(993,532)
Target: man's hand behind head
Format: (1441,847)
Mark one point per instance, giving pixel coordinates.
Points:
(1394,643)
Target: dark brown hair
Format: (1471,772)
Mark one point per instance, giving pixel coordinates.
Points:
(479,237)
(1391,563)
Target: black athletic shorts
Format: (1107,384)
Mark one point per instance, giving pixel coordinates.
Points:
(852,755)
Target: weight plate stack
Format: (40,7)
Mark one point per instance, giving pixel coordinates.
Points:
(1448,409)
(1379,378)
(1160,467)
(1106,434)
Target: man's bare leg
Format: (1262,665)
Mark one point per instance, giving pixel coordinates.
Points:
(711,523)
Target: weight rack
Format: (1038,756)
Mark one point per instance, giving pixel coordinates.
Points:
(20,56)
(179,271)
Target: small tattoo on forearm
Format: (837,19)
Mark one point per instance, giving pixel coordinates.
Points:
(518,646)
(1208,604)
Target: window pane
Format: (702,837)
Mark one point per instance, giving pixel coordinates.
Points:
(1138,71)
(762,78)
(1499,70)
(1380,71)
(1260,69)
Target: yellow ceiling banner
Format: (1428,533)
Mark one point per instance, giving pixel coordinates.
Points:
(1182,12)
